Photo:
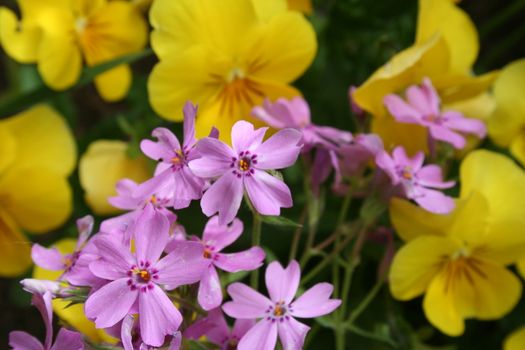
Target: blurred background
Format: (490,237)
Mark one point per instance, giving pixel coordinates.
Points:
(355,37)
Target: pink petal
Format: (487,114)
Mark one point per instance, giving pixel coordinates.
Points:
(315,302)
(292,334)
(43,303)
(241,327)
(210,294)
(115,254)
(19,340)
(176,341)
(282,283)
(185,264)
(262,336)
(434,201)
(224,197)
(47,258)
(266,115)
(214,326)
(247,303)
(111,303)
(166,146)
(280,150)
(68,340)
(443,134)
(267,193)
(431,176)
(245,138)
(151,232)
(125,200)
(220,236)
(158,316)
(186,186)
(457,121)
(247,260)
(216,158)
(190,111)
(155,184)
(126,332)
(425,98)
(402,111)
(85,227)
(386,163)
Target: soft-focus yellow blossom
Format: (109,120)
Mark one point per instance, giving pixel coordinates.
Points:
(142,5)
(458,260)
(226,56)
(446,46)
(102,166)
(60,35)
(507,124)
(301,5)
(516,340)
(72,315)
(37,154)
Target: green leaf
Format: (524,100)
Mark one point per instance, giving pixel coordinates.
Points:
(280,221)
(234,277)
(41,93)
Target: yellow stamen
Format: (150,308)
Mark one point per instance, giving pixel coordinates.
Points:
(144,274)
(244,165)
(207,254)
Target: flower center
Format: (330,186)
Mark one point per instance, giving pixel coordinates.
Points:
(142,276)
(207,253)
(235,74)
(243,165)
(278,312)
(81,24)
(232,344)
(179,157)
(407,173)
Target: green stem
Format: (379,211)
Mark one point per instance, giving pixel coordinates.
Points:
(256,241)
(367,334)
(365,302)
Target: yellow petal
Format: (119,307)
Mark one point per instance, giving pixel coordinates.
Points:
(267,9)
(440,309)
(87,7)
(15,250)
(102,166)
(517,147)
(516,340)
(282,49)
(417,263)
(304,6)
(37,198)
(521,267)
(458,30)
(7,148)
(73,315)
(480,107)
(218,25)
(410,66)
(412,221)
(43,139)
(59,60)
(193,70)
(19,40)
(509,117)
(454,87)
(487,292)
(114,84)
(222,114)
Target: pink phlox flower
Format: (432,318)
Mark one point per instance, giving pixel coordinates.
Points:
(416,181)
(215,328)
(277,313)
(173,179)
(131,339)
(423,107)
(126,200)
(65,340)
(244,167)
(215,238)
(74,264)
(136,282)
(295,113)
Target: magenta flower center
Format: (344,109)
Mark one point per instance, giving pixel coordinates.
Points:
(436,119)
(406,173)
(70,260)
(142,276)
(179,160)
(232,343)
(243,165)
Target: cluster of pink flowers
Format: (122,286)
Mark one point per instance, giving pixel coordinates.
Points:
(138,265)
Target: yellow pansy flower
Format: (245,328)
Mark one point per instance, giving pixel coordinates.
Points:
(60,35)
(445,49)
(507,124)
(73,315)
(516,340)
(104,164)
(37,154)
(226,56)
(304,6)
(458,260)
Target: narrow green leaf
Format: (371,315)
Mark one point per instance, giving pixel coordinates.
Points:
(279,221)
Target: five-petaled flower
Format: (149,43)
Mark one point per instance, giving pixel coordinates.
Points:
(244,167)
(278,313)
